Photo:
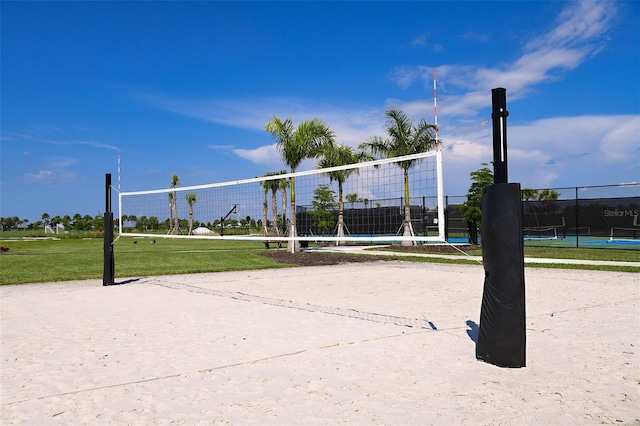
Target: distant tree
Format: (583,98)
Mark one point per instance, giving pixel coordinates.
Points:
(142,223)
(404,138)
(324,201)
(98,222)
(529,194)
(78,223)
(153,222)
(295,145)
(351,198)
(274,185)
(45,218)
(191,200)
(55,221)
(265,208)
(472,208)
(548,195)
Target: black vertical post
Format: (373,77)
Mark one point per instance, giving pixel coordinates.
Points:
(499,115)
(502,330)
(577,220)
(446,218)
(108,275)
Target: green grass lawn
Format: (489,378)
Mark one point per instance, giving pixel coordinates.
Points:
(29,261)
(46,260)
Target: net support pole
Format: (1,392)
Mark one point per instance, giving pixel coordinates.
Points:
(108,275)
(499,115)
(502,330)
(439,174)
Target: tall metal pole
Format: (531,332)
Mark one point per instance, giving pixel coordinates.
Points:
(499,115)
(108,274)
(439,173)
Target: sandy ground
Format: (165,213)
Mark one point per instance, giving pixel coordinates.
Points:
(375,343)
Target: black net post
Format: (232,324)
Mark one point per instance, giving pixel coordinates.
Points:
(502,333)
(502,330)
(108,274)
(499,115)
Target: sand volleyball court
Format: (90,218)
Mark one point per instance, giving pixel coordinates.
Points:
(376,343)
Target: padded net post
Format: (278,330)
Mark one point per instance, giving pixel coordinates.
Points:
(502,331)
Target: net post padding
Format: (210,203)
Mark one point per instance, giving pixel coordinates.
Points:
(502,330)
(376,182)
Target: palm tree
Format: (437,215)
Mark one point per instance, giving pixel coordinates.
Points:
(45,218)
(283,185)
(405,138)
(191,200)
(295,145)
(529,194)
(273,185)
(341,155)
(173,206)
(351,198)
(265,206)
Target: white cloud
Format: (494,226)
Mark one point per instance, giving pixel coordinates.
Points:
(622,142)
(561,151)
(576,36)
(579,22)
(25,136)
(51,177)
(423,40)
(57,172)
(44,176)
(265,155)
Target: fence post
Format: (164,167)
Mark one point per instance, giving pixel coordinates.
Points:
(577,219)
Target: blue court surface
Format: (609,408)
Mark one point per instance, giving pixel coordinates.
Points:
(584,241)
(570,241)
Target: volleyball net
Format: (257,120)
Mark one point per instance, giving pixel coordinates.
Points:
(357,203)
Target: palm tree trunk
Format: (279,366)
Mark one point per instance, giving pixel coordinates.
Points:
(190,219)
(265,209)
(284,209)
(274,211)
(176,228)
(340,216)
(408,230)
(170,213)
(294,245)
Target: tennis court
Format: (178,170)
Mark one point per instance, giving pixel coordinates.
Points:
(583,241)
(375,343)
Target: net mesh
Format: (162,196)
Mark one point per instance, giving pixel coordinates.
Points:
(373,207)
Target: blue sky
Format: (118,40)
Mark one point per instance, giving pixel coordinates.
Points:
(186,88)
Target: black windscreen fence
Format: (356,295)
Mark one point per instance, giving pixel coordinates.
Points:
(595,216)
(599,217)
